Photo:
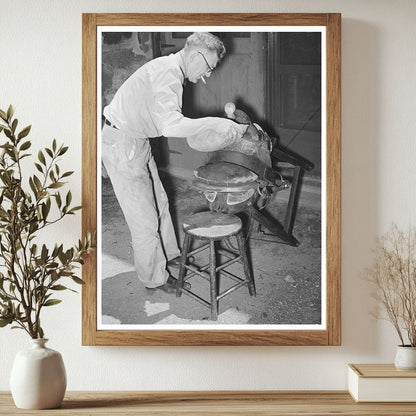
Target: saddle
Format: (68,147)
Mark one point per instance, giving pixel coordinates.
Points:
(236,176)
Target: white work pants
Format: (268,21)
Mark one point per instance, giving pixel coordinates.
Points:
(142,198)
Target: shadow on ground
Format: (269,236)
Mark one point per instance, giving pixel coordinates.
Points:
(288,279)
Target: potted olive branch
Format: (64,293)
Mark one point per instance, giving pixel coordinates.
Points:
(30,273)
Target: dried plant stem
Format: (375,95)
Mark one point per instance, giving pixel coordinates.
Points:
(393,276)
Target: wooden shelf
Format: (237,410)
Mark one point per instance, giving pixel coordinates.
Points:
(318,403)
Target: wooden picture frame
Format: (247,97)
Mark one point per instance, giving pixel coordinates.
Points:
(331,332)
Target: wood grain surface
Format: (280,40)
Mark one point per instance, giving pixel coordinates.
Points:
(212,403)
(331,335)
(380,371)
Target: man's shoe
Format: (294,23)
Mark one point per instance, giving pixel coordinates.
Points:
(176,262)
(170,286)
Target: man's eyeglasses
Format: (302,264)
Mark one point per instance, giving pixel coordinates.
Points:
(210,68)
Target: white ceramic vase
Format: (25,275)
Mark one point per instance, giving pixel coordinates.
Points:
(38,377)
(405,358)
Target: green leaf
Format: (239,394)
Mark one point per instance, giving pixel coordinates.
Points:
(67,174)
(34,226)
(68,198)
(39,167)
(10,112)
(6,145)
(25,145)
(51,302)
(24,132)
(77,208)
(44,253)
(41,157)
(55,251)
(56,185)
(37,182)
(54,276)
(45,211)
(40,331)
(59,287)
(66,273)
(33,187)
(14,125)
(76,279)
(49,152)
(3,115)
(58,199)
(8,133)
(34,249)
(63,150)
(62,257)
(4,298)
(54,145)
(5,321)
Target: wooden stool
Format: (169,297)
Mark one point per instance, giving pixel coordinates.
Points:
(213,227)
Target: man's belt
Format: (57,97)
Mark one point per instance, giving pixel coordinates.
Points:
(109,123)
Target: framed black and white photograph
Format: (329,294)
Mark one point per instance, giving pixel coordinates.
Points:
(211,172)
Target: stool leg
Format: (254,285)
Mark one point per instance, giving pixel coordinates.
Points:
(182,269)
(247,270)
(213,281)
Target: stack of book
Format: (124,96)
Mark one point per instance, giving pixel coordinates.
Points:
(381,383)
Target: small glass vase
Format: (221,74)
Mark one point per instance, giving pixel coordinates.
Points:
(38,377)
(405,358)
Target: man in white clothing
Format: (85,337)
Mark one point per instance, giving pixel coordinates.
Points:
(149,104)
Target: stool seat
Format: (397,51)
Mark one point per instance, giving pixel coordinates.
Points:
(214,225)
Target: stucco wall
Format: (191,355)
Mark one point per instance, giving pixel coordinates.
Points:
(40,73)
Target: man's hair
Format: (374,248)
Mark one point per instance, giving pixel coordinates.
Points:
(206,40)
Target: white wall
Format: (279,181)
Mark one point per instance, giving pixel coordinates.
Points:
(40,73)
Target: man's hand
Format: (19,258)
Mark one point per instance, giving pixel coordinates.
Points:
(218,134)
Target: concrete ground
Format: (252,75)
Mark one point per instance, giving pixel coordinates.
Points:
(288,279)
